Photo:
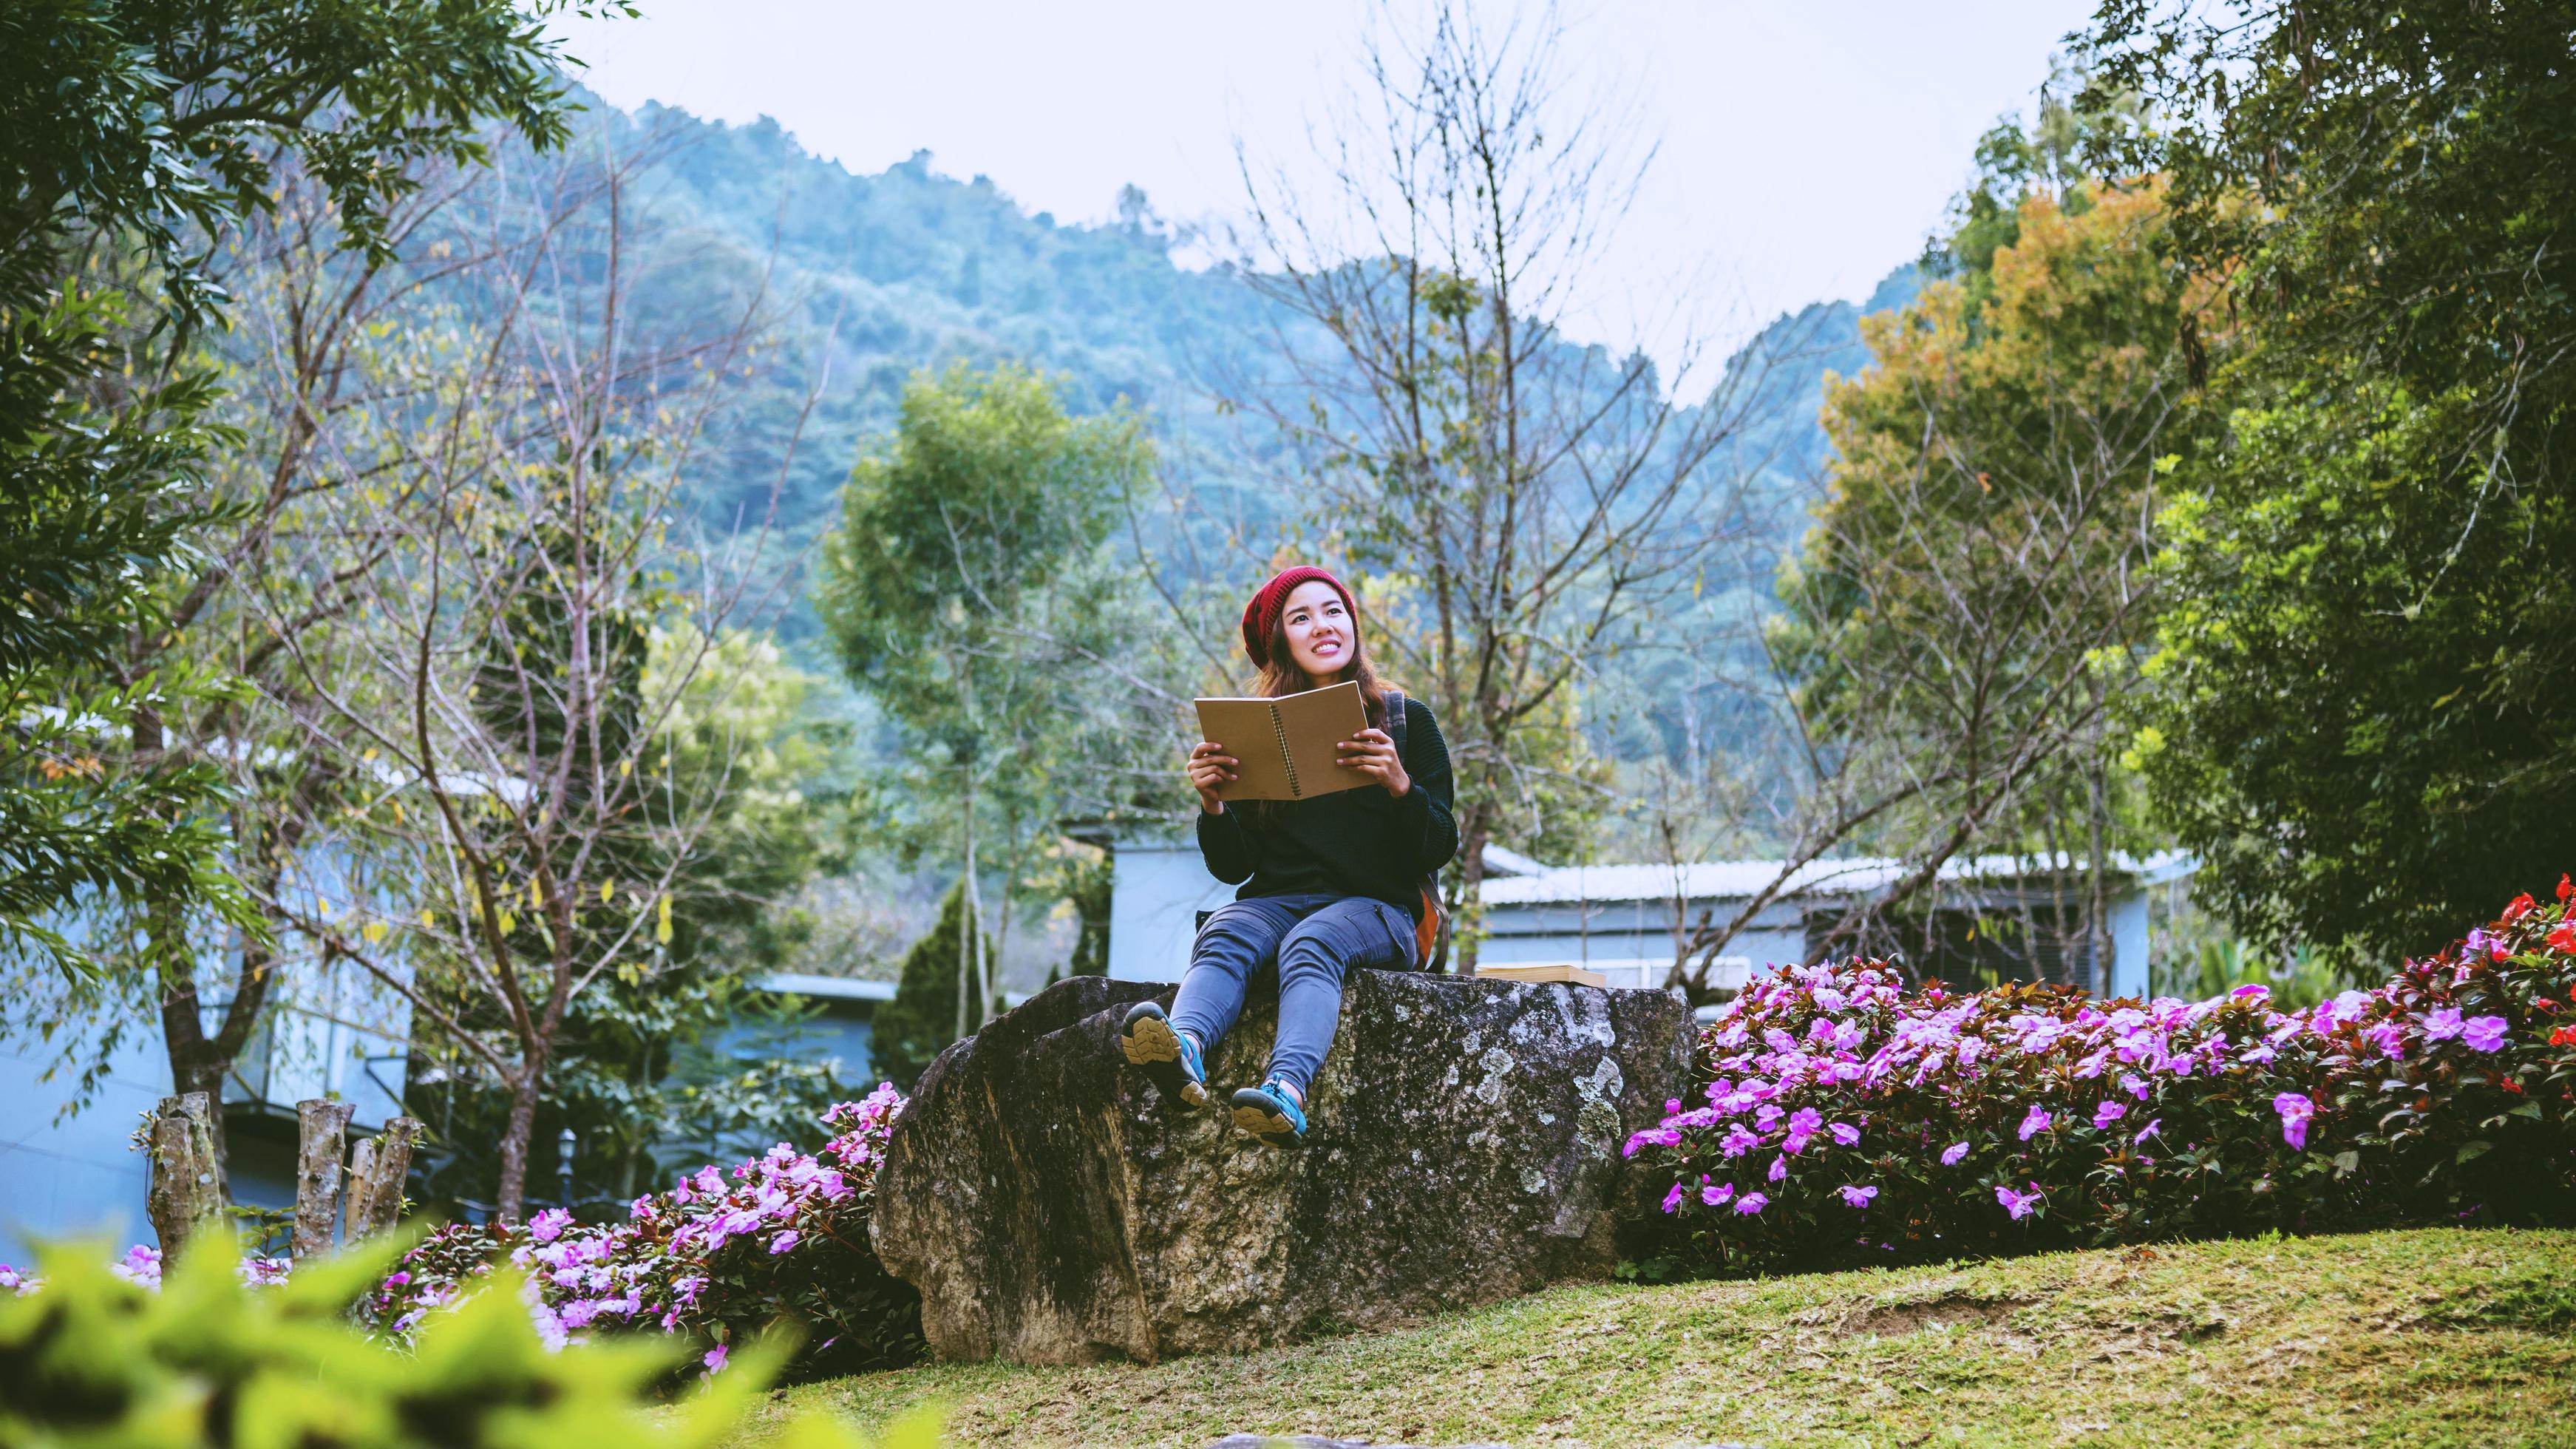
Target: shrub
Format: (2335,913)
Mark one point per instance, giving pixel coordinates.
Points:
(98,1358)
(915,1027)
(717,1258)
(1848,1118)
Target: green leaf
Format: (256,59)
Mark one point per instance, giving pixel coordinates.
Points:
(2472,1149)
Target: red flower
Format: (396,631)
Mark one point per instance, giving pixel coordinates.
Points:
(2566,886)
(2563,1036)
(2510,1085)
(2521,905)
(2564,939)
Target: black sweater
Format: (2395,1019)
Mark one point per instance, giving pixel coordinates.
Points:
(1359,842)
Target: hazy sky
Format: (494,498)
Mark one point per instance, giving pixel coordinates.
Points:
(1805,148)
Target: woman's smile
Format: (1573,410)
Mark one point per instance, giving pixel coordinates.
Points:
(1311,622)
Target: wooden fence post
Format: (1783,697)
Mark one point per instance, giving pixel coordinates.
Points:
(321,1128)
(187,1189)
(378,1166)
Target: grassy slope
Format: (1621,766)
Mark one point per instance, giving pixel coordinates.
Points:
(2416,1338)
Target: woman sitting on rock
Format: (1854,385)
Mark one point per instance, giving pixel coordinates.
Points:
(1328,883)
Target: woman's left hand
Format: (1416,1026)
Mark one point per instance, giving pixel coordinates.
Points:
(1372,753)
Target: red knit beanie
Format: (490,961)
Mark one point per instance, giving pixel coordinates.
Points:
(1261,616)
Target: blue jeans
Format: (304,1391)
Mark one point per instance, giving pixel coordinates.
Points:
(1309,942)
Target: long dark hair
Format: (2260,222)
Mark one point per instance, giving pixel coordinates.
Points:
(1282,676)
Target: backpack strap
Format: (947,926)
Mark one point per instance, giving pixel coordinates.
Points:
(1430,934)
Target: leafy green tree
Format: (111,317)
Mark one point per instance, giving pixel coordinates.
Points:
(135,132)
(1965,610)
(2364,717)
(646,1070)
(515,666)
(913,1029)
(965,592)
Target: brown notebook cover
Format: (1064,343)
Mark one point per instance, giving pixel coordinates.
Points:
(1284,748)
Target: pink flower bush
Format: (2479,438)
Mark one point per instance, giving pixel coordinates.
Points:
(2031,1115)
(141,1266)
(718,1256)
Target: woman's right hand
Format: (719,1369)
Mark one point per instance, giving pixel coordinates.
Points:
(1210,769)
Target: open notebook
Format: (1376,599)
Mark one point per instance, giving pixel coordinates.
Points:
(1283,748)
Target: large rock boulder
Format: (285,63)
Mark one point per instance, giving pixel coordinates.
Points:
(1052,1207)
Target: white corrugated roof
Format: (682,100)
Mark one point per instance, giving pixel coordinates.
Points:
(845,988)
(1702,880)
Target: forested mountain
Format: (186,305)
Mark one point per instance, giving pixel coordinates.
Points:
(909,268)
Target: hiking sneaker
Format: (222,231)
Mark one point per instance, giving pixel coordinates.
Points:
(1270,1112)
(1169,1060)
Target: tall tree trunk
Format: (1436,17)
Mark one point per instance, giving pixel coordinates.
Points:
(969,925)
(1464,918)
(515,1138)
(1010,887)
(2099,811)
(193,1067)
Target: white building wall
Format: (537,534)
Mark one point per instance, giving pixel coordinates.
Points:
(74,1175)
(328,1032)
(2129,943)
(1156,891)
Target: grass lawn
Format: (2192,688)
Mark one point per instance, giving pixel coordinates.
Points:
(2435,1337)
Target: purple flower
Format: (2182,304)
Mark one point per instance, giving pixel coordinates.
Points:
(2251,991)
(1802,1125)
(2037,1122)
(548,1225)
(1858,1196)
(782,1242)
(1652,1137)
(2390,1038)
(1751,1203)
(2107,1113)
(2148,1131)
(2442,1023)
(1779,1168)
(1950,1156)
(1845,1133)
(2018,1204)
(715,1359)
(2484,1033)
(2295,1110)
(1717,1196)
(1673,1199)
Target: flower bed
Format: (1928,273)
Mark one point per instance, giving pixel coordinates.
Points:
(1846,1118)
(783,1237)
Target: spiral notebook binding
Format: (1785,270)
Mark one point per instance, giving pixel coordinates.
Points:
(1280,731)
